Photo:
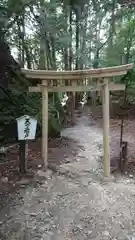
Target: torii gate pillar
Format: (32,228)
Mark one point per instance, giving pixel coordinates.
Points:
(44,123)
(106,138)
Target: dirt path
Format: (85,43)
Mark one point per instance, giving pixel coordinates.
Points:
(76,203)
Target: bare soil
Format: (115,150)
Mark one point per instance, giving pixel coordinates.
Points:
(74,201)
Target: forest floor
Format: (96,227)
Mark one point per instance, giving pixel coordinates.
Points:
(75,201)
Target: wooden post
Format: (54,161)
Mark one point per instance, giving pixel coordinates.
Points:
(45,123)
(105,102)
(94,99)
(22,155)
(73,94)
(72,110)
(26,154)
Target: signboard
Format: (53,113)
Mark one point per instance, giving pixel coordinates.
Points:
(26,127)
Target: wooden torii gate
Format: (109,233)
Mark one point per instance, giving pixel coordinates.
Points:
(54,81)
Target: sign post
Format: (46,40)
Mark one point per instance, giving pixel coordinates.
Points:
(26,127)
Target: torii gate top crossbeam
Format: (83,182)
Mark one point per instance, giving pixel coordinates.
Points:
(77,74)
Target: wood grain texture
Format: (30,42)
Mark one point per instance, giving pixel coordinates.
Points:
(77,74)
(112,87)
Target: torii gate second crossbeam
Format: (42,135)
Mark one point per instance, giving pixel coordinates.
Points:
(54,81)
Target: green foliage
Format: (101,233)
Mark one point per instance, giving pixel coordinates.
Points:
(19,101)
(63,34)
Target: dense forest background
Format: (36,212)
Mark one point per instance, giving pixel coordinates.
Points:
(63,35)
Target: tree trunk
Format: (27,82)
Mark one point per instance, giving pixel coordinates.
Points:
(43,52)
(84,26)
(96,56)
(65,49)
(78,95)
(77,40)
(71,95)
(112,24)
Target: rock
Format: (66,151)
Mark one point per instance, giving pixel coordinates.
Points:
(4,179)
(122,226)
(106,234)
(63,170)
(45,228)
(47,174)
(89,233)
(23,181)
(3,150)
(47,214)
(41,173)
(128,181)
(131,176)
(33,214)
(130,237)
(85,182)
(79,227)
(67,160)
(39,166)
(54,226)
